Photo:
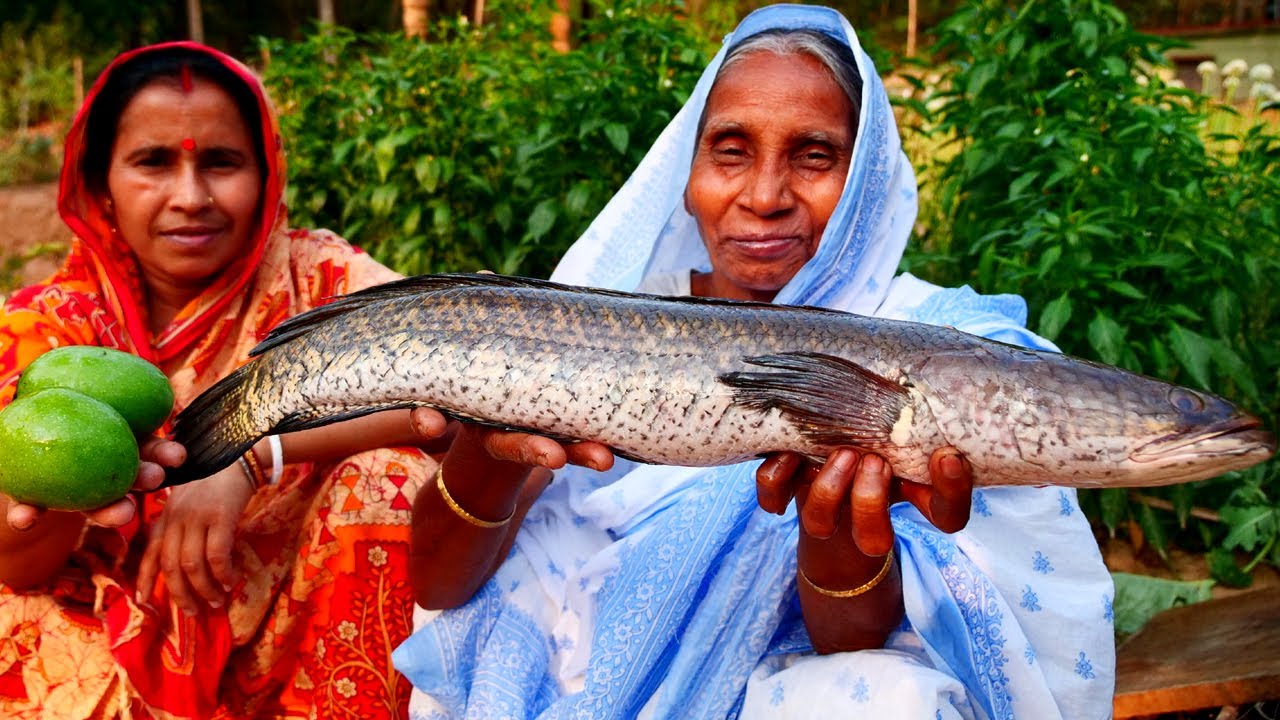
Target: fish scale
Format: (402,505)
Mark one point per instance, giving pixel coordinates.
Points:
(690,381)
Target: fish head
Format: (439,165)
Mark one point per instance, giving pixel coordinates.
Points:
(1189,435)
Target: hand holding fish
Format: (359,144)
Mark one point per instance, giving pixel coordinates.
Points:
(863,483)
(464,524)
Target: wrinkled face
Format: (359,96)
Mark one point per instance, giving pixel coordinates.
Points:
(183,182)
(768,171)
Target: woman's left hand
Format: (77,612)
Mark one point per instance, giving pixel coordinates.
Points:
(192,539)
(866,482)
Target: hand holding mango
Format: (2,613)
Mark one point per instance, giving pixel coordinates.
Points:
(69,439)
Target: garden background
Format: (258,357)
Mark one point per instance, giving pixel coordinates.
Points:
(1134,202)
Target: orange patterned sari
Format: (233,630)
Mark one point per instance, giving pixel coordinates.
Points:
(325,599)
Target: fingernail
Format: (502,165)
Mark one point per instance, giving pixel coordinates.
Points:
(138,598)
(952,467)
(872,463)
(189,612)
(226,587)
(215,604)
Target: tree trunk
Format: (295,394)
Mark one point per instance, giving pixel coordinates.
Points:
(415,17)
(560,25)
(195,21)
(327,15)
(913,17)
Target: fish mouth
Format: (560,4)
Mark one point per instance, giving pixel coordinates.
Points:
(1239,441)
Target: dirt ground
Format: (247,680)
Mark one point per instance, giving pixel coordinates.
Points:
(33,238)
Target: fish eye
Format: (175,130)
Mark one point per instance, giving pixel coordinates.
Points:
(1185,400)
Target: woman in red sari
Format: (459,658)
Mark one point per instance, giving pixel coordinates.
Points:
(233,596)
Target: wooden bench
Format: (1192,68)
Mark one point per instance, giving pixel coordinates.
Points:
(1217,653)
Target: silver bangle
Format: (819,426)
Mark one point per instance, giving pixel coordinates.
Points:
(277,459)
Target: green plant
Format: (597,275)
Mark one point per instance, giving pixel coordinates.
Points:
(1071,174)
(484,148)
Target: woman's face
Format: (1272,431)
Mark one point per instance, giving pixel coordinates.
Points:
(184,183)
(768,171)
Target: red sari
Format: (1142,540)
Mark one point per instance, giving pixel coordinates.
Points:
(326,597)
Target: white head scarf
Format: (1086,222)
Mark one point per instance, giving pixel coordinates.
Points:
(645,228)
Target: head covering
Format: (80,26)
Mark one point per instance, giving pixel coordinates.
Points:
(656,591)
(106,257)
(645,229)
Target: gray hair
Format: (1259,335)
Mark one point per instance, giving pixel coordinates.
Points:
(835,56)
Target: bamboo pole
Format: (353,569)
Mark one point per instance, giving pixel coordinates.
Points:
(195,21)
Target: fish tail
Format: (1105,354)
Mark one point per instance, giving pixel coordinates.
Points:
(216,428)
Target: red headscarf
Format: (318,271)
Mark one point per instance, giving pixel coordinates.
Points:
(109,260)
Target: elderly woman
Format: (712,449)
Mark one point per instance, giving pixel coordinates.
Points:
(671,592)
(275,587)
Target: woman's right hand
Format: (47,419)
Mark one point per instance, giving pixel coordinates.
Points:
(155,455)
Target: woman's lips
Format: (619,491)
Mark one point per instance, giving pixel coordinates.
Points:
(765,247)
(193,236)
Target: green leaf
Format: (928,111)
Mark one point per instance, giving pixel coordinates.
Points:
(412,220)
(619,136)
(1107,338)
(1235,368)
(1251,526)
(542,218)
(1141,597)
(383,200)
(1115,507)
(1054,317)
(1223,568)
(1193,353)
(1154,530)
(1019,185)
(1121,287)
(1224,312)
(979,76)
(575,202)
(427,170)
(1047,260)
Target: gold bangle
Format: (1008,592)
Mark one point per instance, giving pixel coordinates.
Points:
(457,509)
(852,592)
(254,469)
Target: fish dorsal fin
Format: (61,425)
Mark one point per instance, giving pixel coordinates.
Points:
(832,400)
(420,285)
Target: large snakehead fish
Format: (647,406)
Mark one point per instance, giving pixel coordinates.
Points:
(689,381)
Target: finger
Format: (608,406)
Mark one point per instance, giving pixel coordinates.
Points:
(869,502)
(775,481)
(23,517)
(589,454)
(150,476)
(174,578)
(219,544)
(526,449)
(952,480)
(195,564)
(165,453)
(116,514)
(428,423)
(149,566)
(822,507)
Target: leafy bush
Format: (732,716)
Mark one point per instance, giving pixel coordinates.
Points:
(1073,175)
(483,149)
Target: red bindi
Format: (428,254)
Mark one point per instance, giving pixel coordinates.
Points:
(186,79)
(188,144)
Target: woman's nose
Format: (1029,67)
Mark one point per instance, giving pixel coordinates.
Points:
(191,193)
(768,190)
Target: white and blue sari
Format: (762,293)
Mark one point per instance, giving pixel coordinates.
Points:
(666,592)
